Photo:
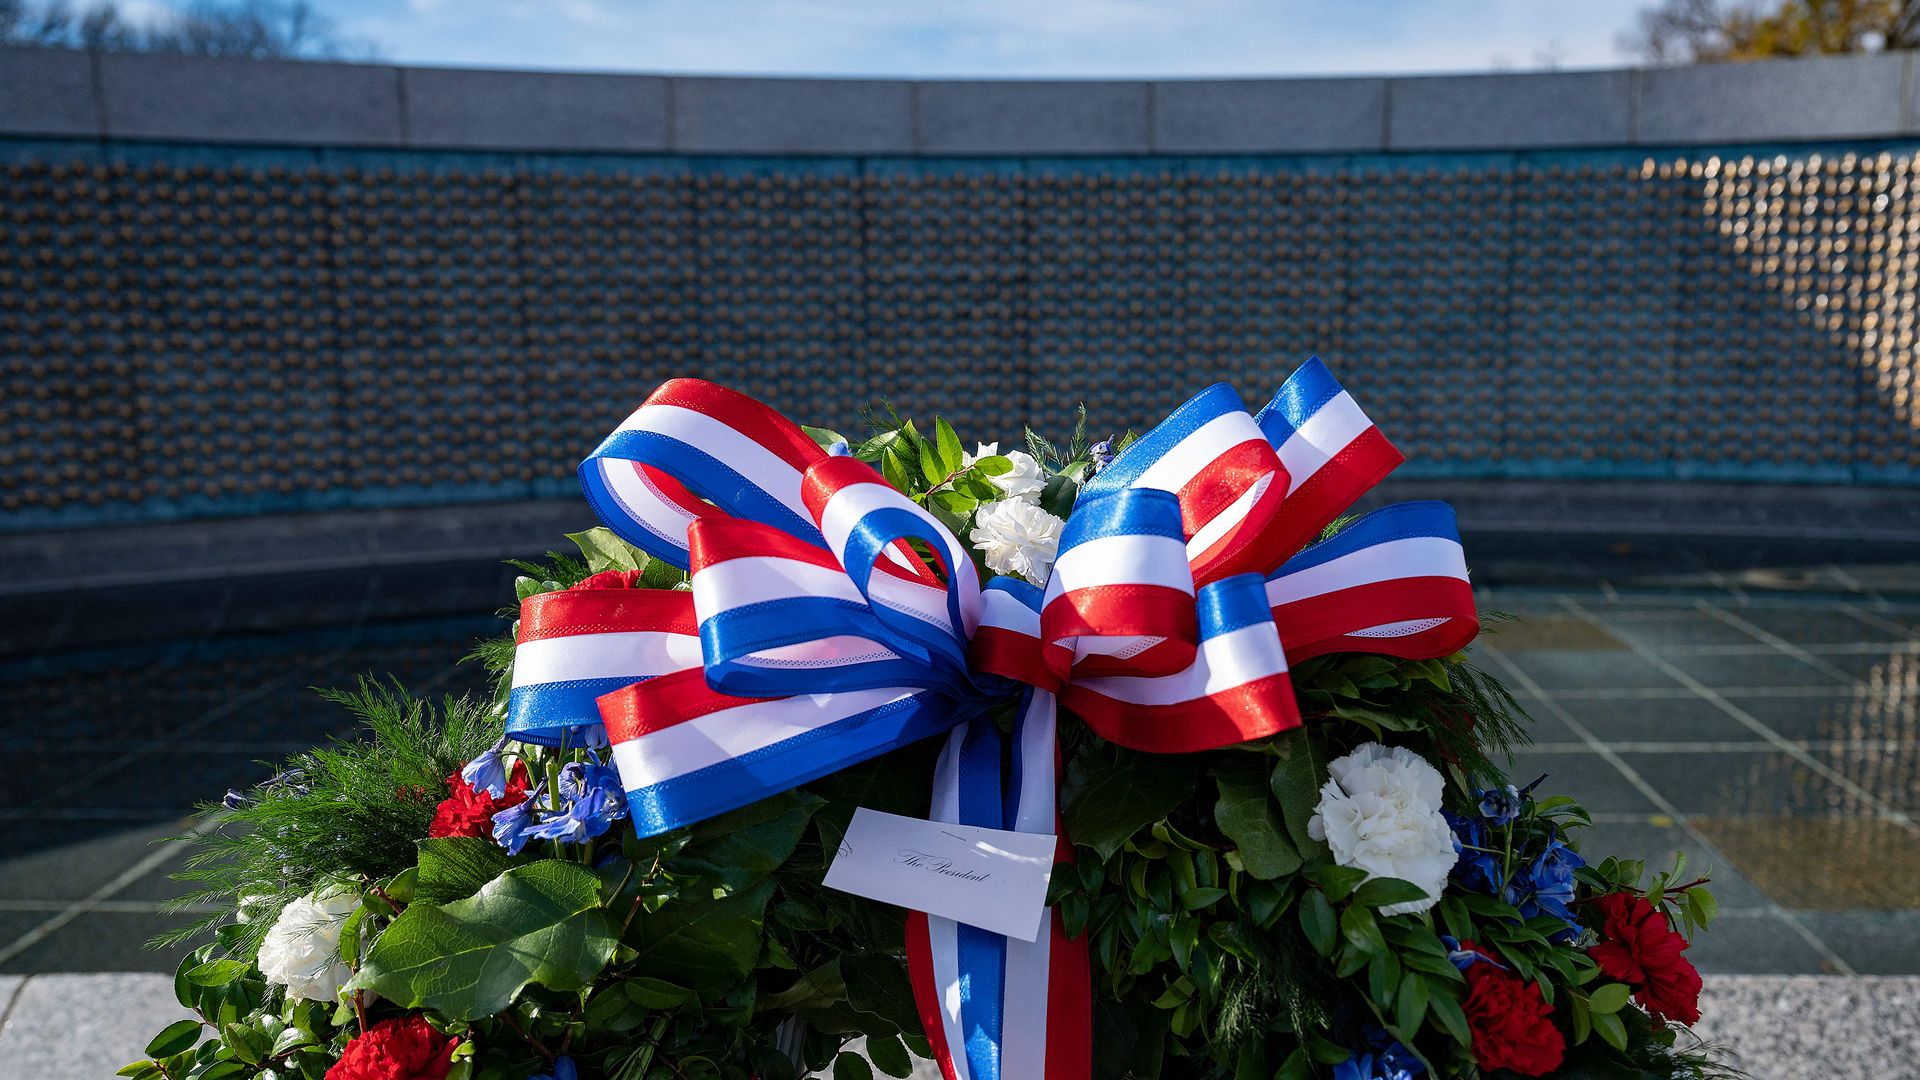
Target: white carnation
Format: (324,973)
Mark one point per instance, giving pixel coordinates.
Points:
(1017,537)
(1381,813)
(1025,481)
(302,949)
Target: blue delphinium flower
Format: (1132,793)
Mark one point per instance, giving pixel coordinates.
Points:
(1500,805)
(488,772)
(236,799)
(1100,455)
(563,1069)
(594,802)
(512,826)
(839,449)
(1545,886)
(1383,1059)
(1478,868)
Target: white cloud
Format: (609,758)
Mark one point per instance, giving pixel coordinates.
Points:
(995,37)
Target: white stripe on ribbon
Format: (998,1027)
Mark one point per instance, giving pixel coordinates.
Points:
(695,744)
(1325,433)
(1002,609)
(1408,628)
(1223,662)
(843,514)
(943,935)
(758,579)
(1121,560)
(643,503)
(1190,456)
(759,466)
(1411,556)
(1023,1023)
(821,652)
(621,654)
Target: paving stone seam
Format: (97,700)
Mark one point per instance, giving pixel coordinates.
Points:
(1754,724)
(1653,795)
(1776,642)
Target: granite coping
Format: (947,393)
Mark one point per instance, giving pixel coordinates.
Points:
(1780,1027)
(120,97)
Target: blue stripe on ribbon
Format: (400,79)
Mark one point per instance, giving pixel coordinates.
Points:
(1304,393)
(1024,591)
(1131,512)
(544,712)
(983,953)
(1400,521)
(770,770)
(729,638)
(701,473)
(868,540)
(1215,401)
(1231,603)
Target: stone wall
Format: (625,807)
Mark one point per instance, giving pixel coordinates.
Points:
(235,287)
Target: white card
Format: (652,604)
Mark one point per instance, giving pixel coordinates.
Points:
(989,878)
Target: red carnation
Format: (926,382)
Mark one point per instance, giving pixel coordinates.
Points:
(1509,1020)
(610,579)
(1640,948)
(402,1049)
(468,812)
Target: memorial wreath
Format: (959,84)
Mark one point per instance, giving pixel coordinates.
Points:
(1245,734)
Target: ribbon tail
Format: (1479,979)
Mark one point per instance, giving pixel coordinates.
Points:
(994,1006)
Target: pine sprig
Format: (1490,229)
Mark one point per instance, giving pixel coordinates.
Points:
(350,809)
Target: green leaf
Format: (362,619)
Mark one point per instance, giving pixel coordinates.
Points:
(1446,1010)
(1197,898)
(1339,881)
(1059,494)
(993,465)
(140,1070)
(947,445)
(177,1037)
(1702,905)
(1380,892)
(1610,1028)
(1112,793)
(822,988)
(604,550)
(889,1055)
(248,1043)
(1410,1004)
(1296,784)
(824,437)
(539,923)
(1610,998)
(851,1067)
(739,849)
(1362,931)
(218,972)
(1248,816)
(707,944)
(1298,1066)
(877,986)
(1317,920)
(455,867)
(656,993)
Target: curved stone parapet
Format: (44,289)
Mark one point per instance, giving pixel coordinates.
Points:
(247,287)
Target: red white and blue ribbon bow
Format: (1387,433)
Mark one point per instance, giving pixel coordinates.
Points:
(814,638)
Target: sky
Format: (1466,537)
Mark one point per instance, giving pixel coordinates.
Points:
(994,38)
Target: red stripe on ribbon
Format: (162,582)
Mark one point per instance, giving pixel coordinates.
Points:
(1322,624)
(773,432)
(1333,487)
(605,611)
(1252,710)
(663,702)
(926,1001)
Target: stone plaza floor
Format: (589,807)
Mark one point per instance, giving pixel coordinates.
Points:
(1754,705)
